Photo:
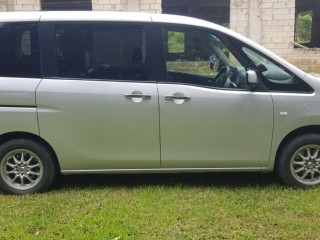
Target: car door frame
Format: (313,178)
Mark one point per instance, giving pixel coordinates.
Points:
(162,79)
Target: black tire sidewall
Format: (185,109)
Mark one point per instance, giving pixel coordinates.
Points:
(43,154)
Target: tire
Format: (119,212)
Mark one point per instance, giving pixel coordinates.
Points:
(25,167)
(298,164)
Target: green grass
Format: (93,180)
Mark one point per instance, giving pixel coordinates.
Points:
(163,206)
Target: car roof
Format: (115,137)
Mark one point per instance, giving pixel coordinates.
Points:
(19,16)
(98,16)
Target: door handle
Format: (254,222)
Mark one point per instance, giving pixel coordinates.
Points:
(186,98)
(144,97)
(178,98)
(137,96)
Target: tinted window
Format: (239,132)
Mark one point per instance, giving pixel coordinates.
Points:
(19,50)
(100,51)
(201,58)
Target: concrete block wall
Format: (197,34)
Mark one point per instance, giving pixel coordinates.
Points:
(245,18)
(306,59)
(153,6)
(27,5)
(239,16)
(3,5)
(109,5)
(20,5)
(278,25)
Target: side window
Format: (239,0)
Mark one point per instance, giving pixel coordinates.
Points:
(19,50)
(101,51)
(201,58)
(275,77)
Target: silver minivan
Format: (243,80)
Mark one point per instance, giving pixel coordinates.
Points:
(102,92)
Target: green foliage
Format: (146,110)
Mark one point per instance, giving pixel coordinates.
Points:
(304,27)
(175,42)
(226,25)
(164,206)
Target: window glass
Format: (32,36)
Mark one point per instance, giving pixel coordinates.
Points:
(100,51)
(201,58)
(19,50)
(275,77)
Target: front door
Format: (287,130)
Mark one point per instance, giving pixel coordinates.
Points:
(209,117)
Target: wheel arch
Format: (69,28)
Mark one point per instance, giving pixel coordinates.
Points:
(29,136)
(311,129)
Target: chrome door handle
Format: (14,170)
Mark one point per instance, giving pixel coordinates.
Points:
(137,96)
(186,98)
(144,97)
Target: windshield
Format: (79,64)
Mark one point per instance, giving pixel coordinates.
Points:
(270,70)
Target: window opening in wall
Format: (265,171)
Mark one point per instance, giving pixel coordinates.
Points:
(67,5)
(307,31)
(216,11)
(304,27)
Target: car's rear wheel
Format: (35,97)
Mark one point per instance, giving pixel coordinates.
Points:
(25,167)
(299,162)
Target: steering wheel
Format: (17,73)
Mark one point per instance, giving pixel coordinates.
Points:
(222,77)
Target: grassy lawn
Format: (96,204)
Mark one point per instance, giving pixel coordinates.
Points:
(164,206)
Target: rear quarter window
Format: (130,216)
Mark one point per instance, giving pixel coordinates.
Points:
(19,50)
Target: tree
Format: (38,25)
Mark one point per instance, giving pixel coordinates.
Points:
(304,27)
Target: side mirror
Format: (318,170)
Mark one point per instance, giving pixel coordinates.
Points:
(252,78)
(261,67)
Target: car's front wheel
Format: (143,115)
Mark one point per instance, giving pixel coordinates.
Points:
(25,167)
(299,162)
